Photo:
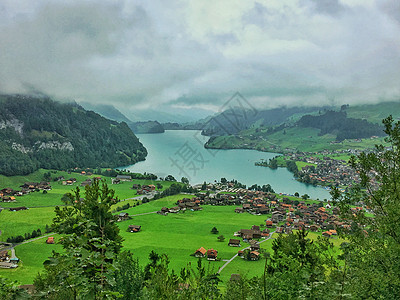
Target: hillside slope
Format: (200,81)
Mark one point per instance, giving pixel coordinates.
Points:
(41,133)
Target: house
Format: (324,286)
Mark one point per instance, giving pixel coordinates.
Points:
(201,252)
(212,254)
(87,182)
(115,181)
(279,230)
(174,209)
(234,243)
(4,255)
(254,246)
(18,208)
(265,232)
(123,216)
(50,240)
(124,177)
(269,223)
(134,228)
(254,255)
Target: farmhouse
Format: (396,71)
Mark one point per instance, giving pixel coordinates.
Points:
(254,255)
(234,243)
(201,252)
(134,228)
(212,254)
(50,240)
(4,256)
(18,208)
(124,178)
(123,216)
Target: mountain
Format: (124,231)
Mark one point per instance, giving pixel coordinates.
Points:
(107,111)
(146,127)
(234,120)
(41,133)
(333,122)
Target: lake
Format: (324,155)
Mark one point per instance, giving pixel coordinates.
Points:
(181,153)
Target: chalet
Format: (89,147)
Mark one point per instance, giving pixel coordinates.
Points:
(124,177)
(201,252)
(212,254)
(314,228)
(279,230)
(269,223)
(239,210)
(254,246)
(123,216)
(4,256)
(234,243)
(50,240)
(174,209)
(134,228)
(164,211)
(249,234)
(265,232)
(18,208)
(8,199)
(254,255)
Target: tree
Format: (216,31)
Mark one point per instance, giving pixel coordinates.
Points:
(159,186)
(184,180)
(372,254)
(221,238)
(91,243)
(305,196)
(214,230)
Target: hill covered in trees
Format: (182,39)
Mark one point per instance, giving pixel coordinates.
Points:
(41,133)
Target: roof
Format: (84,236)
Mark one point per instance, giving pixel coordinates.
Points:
(202,250)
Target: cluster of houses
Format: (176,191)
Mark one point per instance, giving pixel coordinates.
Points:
(69,181)
(325,170)
(192,204)
(210,254)
(9,194)
(144,189)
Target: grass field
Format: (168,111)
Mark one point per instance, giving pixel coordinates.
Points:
(32,256)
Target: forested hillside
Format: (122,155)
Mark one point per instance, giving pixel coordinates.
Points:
(41,133)
(339,124)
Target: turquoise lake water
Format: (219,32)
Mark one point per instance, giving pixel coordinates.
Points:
(181,153)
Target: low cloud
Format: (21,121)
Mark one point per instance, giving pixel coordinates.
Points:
(139,55)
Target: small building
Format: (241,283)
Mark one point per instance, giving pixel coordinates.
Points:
(254,255)
(134,228)
(201,252)
(123,217)
(234,243)
(18,208)
(50,240)
(4,256)
(212,254)
(124,177)
(254,246)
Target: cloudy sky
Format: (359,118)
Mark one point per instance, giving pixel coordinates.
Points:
(176,54)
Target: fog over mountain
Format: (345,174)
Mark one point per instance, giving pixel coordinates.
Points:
(171,56)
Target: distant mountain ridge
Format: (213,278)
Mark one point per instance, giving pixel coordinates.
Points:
(37,132)
(112,113)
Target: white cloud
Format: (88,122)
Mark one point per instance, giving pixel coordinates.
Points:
(138,54)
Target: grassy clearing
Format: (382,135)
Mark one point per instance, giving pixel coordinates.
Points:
(15,223)
(32,255)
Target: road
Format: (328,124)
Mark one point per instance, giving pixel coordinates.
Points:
(230,260)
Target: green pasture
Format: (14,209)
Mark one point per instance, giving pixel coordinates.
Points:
(31,255)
